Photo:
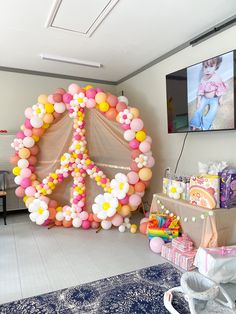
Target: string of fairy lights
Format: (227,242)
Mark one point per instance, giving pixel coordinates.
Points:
(202,216)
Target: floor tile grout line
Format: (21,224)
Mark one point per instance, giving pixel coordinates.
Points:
(17,261)
(42,259)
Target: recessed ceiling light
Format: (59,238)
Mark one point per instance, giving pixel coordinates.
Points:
(70,60)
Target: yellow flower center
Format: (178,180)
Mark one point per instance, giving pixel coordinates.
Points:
(80,100)
(173,189)
(38,110)
(105,206)
(68,213)
(40,211)
(121,186)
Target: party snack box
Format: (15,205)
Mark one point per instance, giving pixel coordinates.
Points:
(182,259)
(204,191)
(228,188)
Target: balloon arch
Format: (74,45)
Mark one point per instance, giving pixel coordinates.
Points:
(122,194)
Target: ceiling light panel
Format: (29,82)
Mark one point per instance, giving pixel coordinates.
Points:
(80,16)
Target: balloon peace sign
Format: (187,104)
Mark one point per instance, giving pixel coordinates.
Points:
(121,195)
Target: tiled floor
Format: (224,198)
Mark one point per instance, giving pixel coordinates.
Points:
(35,260)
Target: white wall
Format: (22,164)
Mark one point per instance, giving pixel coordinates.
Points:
(147,91)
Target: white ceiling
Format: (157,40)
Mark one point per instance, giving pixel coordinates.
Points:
(134,33)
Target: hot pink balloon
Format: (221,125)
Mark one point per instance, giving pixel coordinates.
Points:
(67,98)
(133,177)
(136,125)
(20,135)
(86,224)
(125,126)
(25,182)
(125,200)
(91,93)
(144,147)
(134,144)
(28,124)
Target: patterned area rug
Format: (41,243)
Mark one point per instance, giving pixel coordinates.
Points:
(137,292)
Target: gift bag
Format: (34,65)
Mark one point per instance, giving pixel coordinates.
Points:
(228,188)
(218,264)
(204,191)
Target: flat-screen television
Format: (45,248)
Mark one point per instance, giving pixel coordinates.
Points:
(202,96)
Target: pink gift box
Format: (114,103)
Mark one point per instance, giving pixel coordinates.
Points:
(182,259)
(183,244)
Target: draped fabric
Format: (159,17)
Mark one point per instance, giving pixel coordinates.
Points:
(106,145)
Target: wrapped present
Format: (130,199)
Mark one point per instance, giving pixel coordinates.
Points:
(228,188)
(204,191)
(218,264)
(183,244)
(162,225)
(184,260)
(176,189)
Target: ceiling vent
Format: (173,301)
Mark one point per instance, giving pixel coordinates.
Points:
(79,16)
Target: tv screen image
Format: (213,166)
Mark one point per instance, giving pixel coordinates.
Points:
(201,97)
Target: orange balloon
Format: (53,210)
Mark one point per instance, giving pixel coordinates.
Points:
(139,186)
(143,228)
(125,211)
(52,213)
(131,190)
(67,224)
(38,132)
(33,177)
(90,217)
(95,218)
(111,114)
(48,118)
(14,159)
(58,223)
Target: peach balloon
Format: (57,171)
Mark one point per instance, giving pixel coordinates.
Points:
(58,223)
(43,99)
(100,97)
(24,153)
(52,213)
(33,177)
(48,118)
(95,218)
(53,203)
(14,159)
(67,224)
(34,150)
(145,174)
(125,211)
(139,186)
(131,190)
(143,228)
(135,112)
(90,217)
(38,132)
(111,114)
(95,225)
(121,106)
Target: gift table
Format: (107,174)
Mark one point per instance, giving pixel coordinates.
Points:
(204,229)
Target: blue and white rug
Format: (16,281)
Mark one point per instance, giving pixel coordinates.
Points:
(137,292)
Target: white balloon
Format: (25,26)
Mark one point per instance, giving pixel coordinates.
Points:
(36,122)
(129,135)
(59,216)
(77,222)
(17,180)
(123,99)
(105,224)
(28,142)
(23,163)
(59,107)
(121,228)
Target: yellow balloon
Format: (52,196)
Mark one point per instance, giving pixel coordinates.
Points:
(133,228)
(45,125)
(49,108)
(140,136)
(104,106)
(35,137)
(16,171)
(88,87)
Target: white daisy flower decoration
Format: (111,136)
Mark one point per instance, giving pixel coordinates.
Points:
(39,110)
(175,189)
(39,211)
(65,159)
(125,116)
(105,205)
(141,160)
(119,186)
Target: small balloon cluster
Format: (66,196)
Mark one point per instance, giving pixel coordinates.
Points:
(122,194)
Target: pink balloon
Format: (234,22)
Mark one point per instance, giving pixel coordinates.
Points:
(27,132)
(30,191)
(20,135)
(52,204)
(125,200)
(134,144)
(151,162)
(144,147)
(73,88)
(156,244)
(90,103)
(136,124)
(50,99)
(32,160)
(84,215)
(148,139)
(95,225)
(32,168)
(112,100)
(28,113)
(56,115)
(25,182)
(133,177)
(91,93)
(135,200)
(117,220)
(44,199)
(28,124)
(25,173)
(135,153)
(67,98)
(86,224)
(121,106)
(99,90)
(20,191)
(134,166)
(125,126)
(60,90)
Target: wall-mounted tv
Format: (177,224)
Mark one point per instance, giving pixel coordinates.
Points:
(202,97)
